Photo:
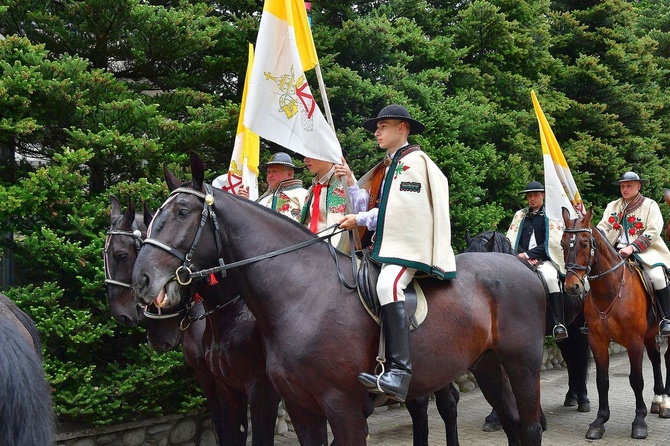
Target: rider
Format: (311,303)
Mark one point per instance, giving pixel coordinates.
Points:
(285,194)
(406,183)
(634,224)
(530,238)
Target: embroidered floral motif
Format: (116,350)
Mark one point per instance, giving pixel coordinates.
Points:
(631,224)
(337,203)
(399,168)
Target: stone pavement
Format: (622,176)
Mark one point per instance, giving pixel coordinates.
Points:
(567,426)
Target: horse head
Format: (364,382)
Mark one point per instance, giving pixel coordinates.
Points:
(184,222)
(579,248)
(489,241)
(122,244)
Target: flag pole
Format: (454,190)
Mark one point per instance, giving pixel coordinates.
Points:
(329,118)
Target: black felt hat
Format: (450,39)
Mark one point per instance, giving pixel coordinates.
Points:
(533,186)
(395,111)
(629,176)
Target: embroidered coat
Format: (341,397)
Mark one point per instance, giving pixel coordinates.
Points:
(641,224)
(413,223)
(332,205)
(287,198)
(549,242)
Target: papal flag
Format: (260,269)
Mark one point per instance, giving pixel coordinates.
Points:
(280,105)
(560,188)
(243,169)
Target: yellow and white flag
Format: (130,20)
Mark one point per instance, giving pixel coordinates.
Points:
(559,186)
(243,169)
(280,105)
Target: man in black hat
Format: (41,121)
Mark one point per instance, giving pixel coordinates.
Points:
(285,194)
(407,184)
(529,237)
(634,224)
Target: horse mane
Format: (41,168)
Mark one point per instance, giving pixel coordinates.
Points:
(26,321)
(490,241)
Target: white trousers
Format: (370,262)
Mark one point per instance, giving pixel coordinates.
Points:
(656,275)
(393,279)
(550,275)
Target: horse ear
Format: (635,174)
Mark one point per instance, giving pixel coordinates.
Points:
(589,214)
(129,215)
(170,179)
(148,216)
(666,196)
(566,215)
(116,205)
(468,239)
(197,170)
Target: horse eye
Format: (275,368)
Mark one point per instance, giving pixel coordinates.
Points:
(183,213)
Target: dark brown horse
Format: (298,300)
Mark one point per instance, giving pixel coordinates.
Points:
(616,308)
(26,413)
(225,352)
(575,349)
(318,337)
(222,343)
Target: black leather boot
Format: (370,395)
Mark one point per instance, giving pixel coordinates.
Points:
(663,296)
(394,382)
(556,315)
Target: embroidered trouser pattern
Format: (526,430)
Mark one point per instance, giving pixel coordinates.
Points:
(393,279)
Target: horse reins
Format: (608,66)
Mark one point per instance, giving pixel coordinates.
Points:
(207,211)
(573,267)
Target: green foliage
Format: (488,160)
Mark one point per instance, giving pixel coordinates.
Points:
(107,92)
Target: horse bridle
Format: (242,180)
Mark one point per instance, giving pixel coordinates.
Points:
(136,234)
(208,213)
(572,255)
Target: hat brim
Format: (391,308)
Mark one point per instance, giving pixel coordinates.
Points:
(263,167)
(415,126)
(642,181)
(531,190)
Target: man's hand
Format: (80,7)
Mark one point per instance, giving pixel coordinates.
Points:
(524,256)
(243,192)
(348,222)
(627,251)
(343,170)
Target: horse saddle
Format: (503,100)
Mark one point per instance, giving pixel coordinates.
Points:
(416,306)
(648,287)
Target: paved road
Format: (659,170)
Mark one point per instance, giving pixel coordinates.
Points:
(567,426)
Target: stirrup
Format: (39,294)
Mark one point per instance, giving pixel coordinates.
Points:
(664,333)
(562,336)
(584,329)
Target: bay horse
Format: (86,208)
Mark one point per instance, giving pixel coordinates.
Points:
(616,308)
(575,348)
(222,343)
(26,413)
(317,335)
(225,352)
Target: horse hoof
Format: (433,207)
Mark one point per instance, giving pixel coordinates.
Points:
(491,426)
(570,401)
(639,432)
(584,406)
(664,413)
(655,408)
(595,433)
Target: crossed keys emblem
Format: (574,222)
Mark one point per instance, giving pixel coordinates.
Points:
(295,97)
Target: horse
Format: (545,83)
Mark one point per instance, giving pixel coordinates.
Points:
(616,308)
(127,230)
(485,318)
(575,349)
(26,412)
(221,343)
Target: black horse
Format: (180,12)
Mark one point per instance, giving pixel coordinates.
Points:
(490,316)
(26,414)
(575,349)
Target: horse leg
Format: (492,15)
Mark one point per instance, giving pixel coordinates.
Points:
(524,377)
(654,355)
(418,410)
(311,429)
(446,400)
(234,422)
(575,351)
(635,356)
(346,413)
(263,405)
(664,410)
(496,389)
(601,357)
(491,422)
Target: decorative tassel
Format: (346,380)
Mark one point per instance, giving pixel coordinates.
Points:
(212,279)
(197,298)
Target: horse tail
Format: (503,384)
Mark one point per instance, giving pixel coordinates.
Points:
(26,412)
